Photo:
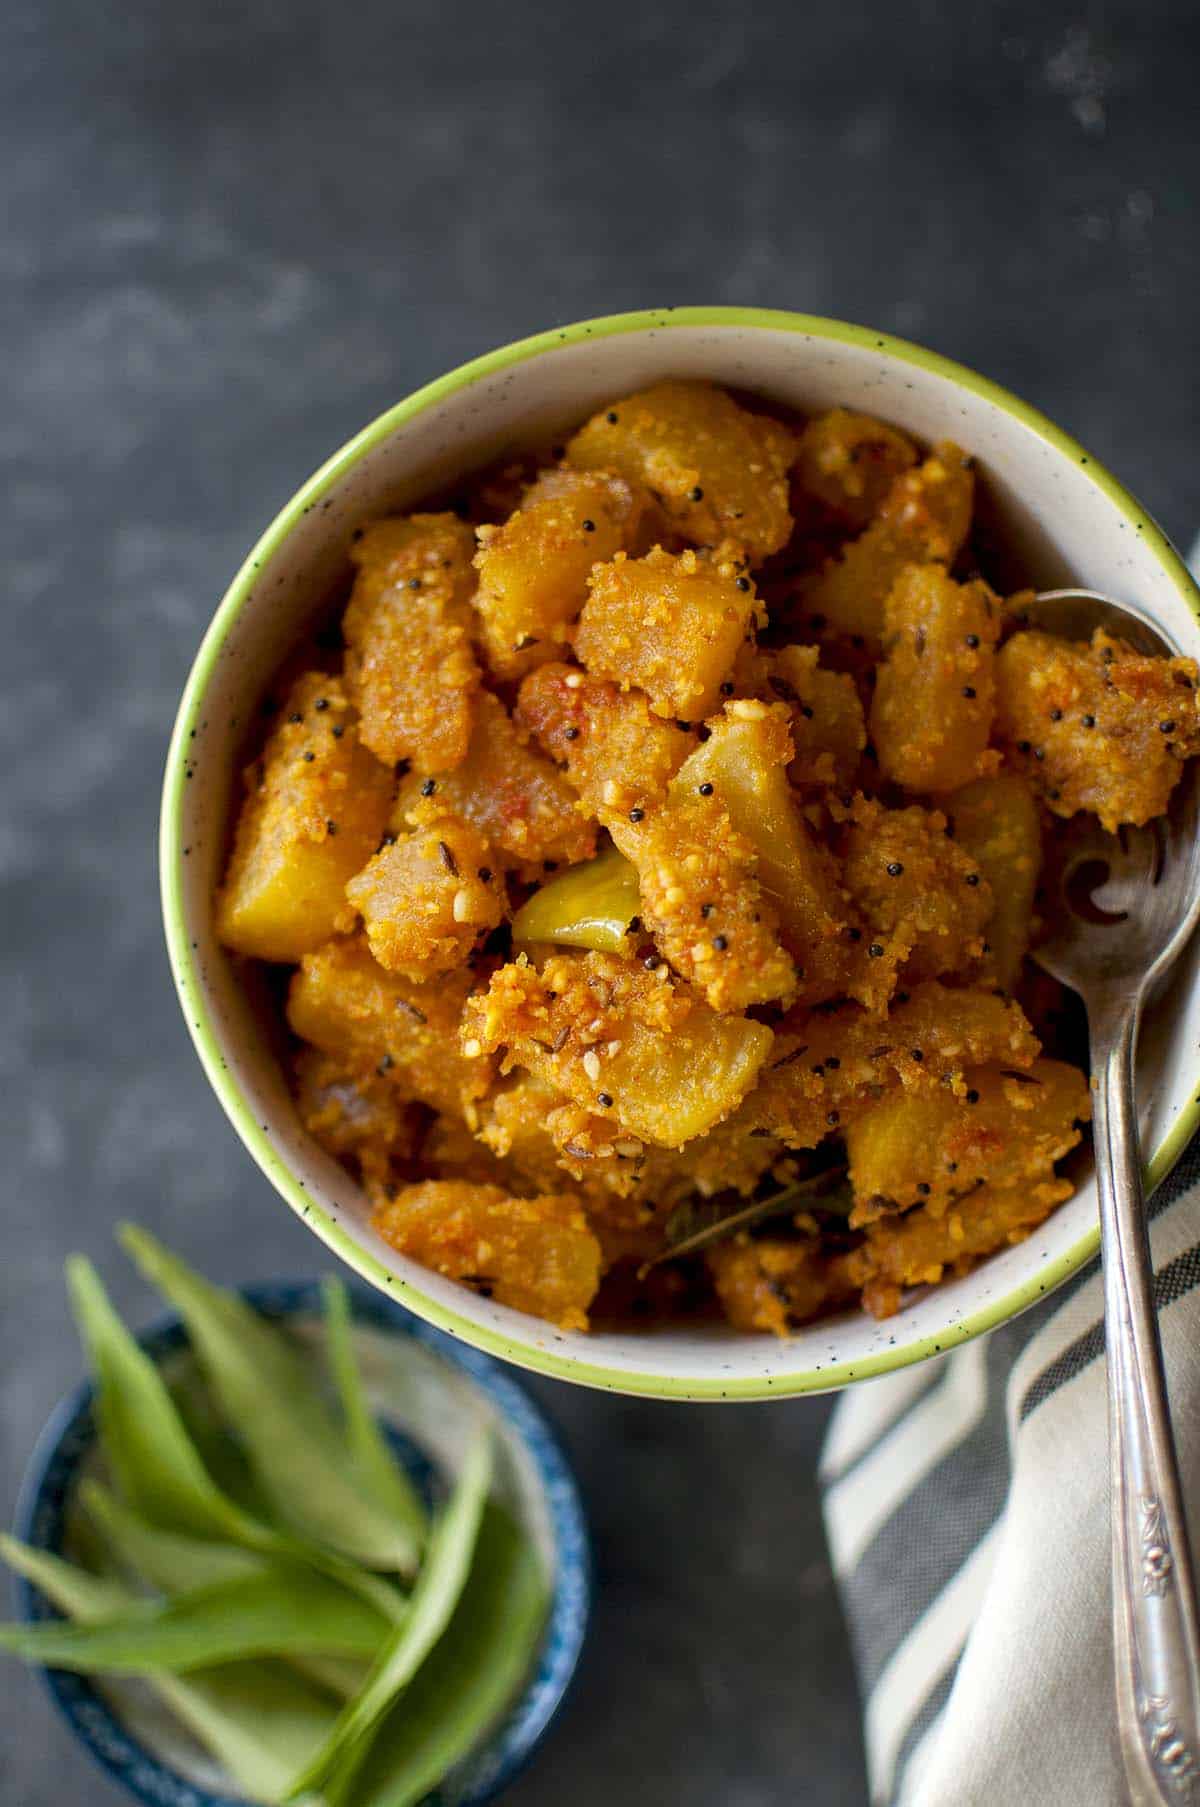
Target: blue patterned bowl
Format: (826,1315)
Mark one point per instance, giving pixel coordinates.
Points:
(427,1388)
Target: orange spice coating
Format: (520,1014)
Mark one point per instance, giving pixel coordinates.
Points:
(932,1145)
(716,471)
(408,627)
(923,518)
(996,823)
(427,897)
(315,808)
(935,695)
(507,790)
(374,1021)
(922,1247)
(827,1068)
(924,898)
(619,1039)
(668,625)
(825,713)
(1098,727)
(535,1254)
(533,569)
(848,463)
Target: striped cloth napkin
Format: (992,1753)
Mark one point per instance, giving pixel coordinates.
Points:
(966,1507)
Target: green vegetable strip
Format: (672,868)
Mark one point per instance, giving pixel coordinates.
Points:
(470,1678)
(258,1720)
(266,1391)
(155,1462)
(256,1615)
(375,1467)
(447,1564)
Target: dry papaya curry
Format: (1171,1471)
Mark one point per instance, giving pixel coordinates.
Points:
(658,858)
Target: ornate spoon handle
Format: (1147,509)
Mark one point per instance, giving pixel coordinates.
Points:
(1157,1646)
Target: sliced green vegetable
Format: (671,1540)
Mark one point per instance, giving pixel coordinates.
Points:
(375,1467)
(266,1389)
(259,1720)
(156,1464)
(590,905)
(469,1679)
(256,1615)
(434,1599)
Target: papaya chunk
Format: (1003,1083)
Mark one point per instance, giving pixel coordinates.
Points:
(717,471)
(354,1115)
(996,824)
(848,463)
(409,664)
(925,899)
(535,1254)
(1099,728)
(935,695)
(427,897)
(620,1041)
(617,754)
(533,570)
(668,625)
(825,714)
(924,518)
(929,1146)
(508,791)
(378,1022)
(923,1247)
(770,1284)
(315,808)
(827,1068)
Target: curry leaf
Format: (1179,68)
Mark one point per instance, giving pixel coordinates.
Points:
(155,1462)
(699,1223)
(259,1720)
(267,1391)
(443,1576)
(168,1560)
(257,1615)
(375,1468)
(470,1678)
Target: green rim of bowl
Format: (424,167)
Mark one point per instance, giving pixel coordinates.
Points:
(544,1359)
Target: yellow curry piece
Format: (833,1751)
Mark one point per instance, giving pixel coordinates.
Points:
(667,835)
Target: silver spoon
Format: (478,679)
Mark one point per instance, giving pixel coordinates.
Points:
(1127,906)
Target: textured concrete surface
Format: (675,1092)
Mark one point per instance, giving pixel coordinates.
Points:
(232,235)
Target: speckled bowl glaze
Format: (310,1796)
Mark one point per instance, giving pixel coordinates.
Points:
(428,1392)
(1062,515)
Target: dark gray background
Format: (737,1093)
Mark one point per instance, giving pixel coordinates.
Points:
(232,234)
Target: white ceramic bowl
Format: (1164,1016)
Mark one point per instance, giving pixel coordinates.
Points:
(1065,518)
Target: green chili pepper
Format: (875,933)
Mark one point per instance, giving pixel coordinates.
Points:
(591,905)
